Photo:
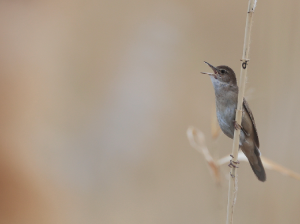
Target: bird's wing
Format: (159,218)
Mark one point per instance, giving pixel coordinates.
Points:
(248,110)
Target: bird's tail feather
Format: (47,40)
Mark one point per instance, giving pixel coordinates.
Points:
(259,170)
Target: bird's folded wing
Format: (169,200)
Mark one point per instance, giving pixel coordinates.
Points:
(248,110)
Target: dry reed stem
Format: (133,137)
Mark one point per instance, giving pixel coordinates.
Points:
(232,191)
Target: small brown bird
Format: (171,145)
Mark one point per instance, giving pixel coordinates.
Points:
(226,91)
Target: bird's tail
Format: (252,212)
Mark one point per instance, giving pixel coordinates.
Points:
(258,169)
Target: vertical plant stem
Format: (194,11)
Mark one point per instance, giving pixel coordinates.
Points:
(232,191)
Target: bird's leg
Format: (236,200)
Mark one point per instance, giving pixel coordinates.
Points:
(239,127)
(233,163)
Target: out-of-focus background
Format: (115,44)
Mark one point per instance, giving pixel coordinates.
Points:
(96,98)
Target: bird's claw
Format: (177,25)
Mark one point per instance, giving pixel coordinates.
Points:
(237,126)
(233,164)
(237,162)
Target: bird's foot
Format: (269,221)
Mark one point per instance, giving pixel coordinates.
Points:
(237,162)
(233,164)
(237,126)
(232,175)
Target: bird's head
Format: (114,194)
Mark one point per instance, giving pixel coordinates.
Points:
(222,74)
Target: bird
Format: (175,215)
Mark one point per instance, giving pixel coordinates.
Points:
(226,89)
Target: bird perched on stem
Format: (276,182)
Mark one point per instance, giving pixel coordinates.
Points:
(226,91)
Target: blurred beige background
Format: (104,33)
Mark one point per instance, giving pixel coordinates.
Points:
(96,97)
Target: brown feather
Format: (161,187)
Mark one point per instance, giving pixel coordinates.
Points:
(248,110)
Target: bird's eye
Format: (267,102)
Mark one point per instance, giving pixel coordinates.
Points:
(222,71)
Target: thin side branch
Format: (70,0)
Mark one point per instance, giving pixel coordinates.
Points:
(197,141)
(232,191)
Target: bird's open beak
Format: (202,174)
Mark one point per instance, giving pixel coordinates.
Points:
(213,68)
